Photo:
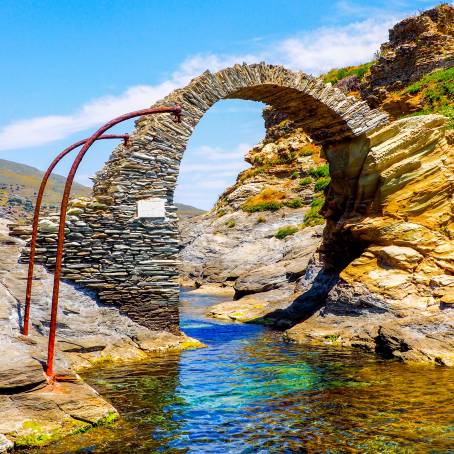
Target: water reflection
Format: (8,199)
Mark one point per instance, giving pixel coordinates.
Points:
(248,392)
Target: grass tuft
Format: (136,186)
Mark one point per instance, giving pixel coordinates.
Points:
(322,183)
(305,181)
(230,223)
(268,199)
(335,75)
(437,94)
(320,171)
(313,217)
(285,231)
(294,203)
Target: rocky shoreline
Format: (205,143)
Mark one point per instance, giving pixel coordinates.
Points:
(35,412)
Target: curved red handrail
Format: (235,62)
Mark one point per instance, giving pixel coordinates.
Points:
(64,205)
(39,199)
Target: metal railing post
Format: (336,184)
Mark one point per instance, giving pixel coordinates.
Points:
(63,207)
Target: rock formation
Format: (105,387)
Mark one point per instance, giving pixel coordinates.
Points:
(389,234)
(397,295)
(236,243)
(417,45)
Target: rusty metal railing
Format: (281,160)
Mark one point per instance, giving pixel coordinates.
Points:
(176,111)
(39,199)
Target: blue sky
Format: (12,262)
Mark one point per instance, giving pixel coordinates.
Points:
(68,66)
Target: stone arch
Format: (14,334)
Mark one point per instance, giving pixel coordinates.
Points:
(324,112)
(132,261)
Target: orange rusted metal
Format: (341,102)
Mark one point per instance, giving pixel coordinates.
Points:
(39,199)
(176,111)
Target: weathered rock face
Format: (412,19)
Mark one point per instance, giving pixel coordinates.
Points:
(383,278)
(417,45)
(397,295)
(234,247)
(130,260)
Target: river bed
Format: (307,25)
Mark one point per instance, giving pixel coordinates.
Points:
(250,392)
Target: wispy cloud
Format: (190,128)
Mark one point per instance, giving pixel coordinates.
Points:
(41,130)
(333,47)
(207,171)
(314,51)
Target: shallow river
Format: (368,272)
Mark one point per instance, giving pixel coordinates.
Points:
(249,392)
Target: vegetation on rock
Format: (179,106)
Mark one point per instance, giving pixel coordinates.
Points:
(335,75)
(313,216)
(322,183)
(320,171)
(268,199)
(230,223)
(306,181)
(435,93)
(285,231)
(294,203)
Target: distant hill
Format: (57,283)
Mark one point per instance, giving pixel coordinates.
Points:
(19,184)
(188,211)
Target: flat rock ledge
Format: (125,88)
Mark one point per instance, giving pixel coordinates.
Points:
(33,412)
(253,308)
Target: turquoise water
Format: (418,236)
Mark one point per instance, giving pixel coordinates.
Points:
(249,392)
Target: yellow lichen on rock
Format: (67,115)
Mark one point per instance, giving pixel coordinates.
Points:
(397,295)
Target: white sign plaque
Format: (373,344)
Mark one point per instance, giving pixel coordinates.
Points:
(151,208)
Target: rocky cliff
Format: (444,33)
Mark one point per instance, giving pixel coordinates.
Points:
(396,297)
(416,46)
(260,235)
(382,276)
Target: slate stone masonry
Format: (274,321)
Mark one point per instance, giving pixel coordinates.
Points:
(132,262)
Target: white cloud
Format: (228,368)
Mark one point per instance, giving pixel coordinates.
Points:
(218,153)
(314,51)
(221,161)
(333,47)
(207,171)
(41,130)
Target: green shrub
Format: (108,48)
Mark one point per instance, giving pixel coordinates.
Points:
(294,203)
(320,171)
(322,183)
(230,223)
(335,75)
(286,231)
(295,175)
(221,212)
(312,216)
(437,94)
(262,206)
(305,181)
(261,219)
(307,150)
(443,78)
(285,158)
(318,202)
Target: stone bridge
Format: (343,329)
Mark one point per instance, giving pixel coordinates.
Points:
(124,241)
